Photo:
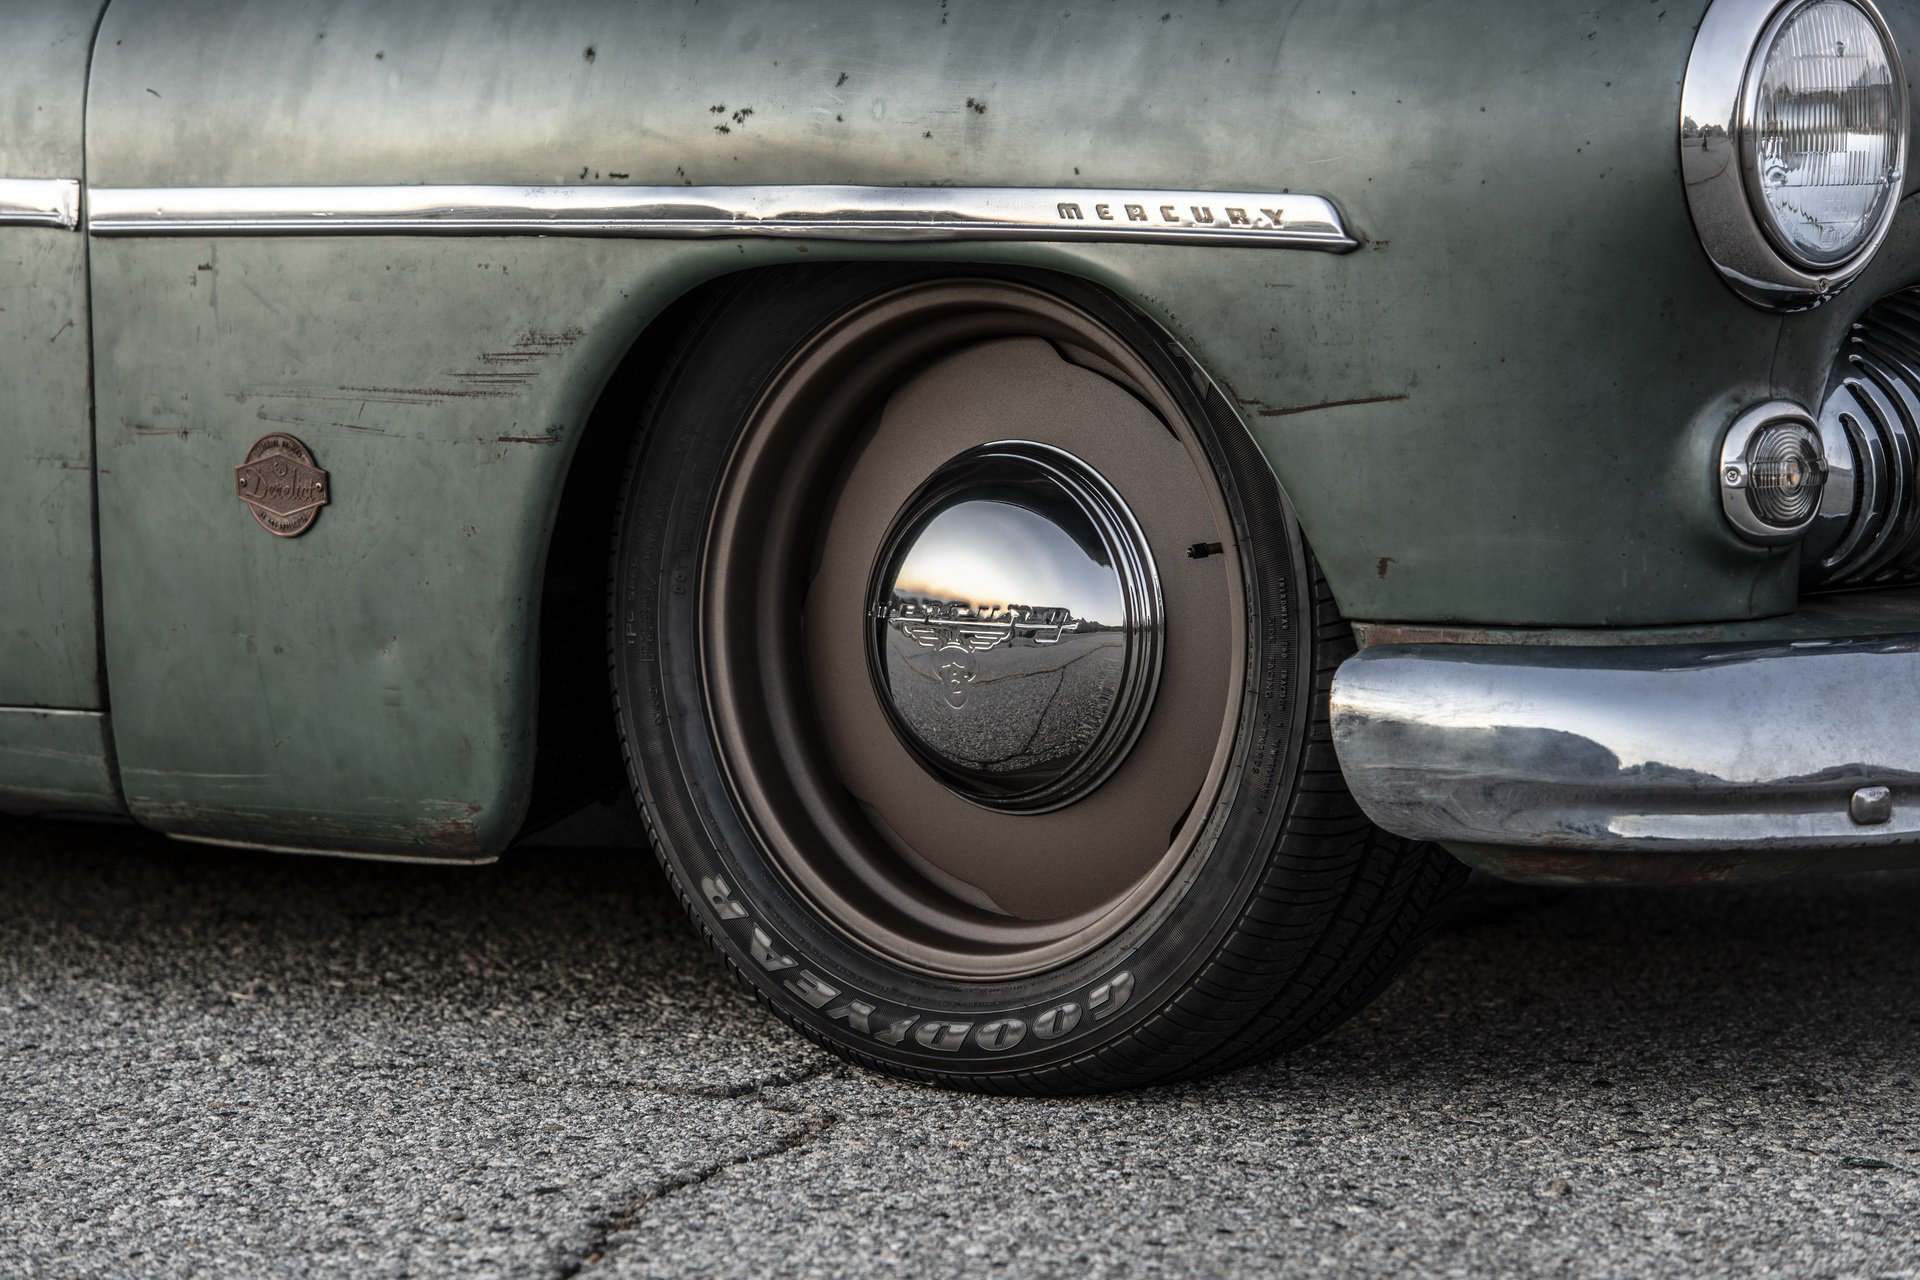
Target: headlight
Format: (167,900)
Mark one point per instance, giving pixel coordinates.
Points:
(1793,143)
(1822,140)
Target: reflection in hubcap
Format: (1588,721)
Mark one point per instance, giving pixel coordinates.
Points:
(1016,626)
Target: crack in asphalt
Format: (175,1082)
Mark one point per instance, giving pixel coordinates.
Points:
(748,1088)
(711,1092)
(602,1230)
(599,1242)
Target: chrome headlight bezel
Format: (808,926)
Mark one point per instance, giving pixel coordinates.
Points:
(1717,103)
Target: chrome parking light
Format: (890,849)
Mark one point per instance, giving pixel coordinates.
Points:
(1772,469)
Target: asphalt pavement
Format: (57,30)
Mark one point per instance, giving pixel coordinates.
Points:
(227,1064)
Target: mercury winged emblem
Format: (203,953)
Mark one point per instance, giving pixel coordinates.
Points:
(961,630)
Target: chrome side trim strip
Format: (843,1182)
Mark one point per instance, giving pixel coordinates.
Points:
(1287,221)
(39,202)
(1755,749)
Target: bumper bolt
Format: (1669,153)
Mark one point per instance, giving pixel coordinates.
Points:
(1871,806)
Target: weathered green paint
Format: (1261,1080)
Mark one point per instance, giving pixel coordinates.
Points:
(1502,410)
(43,92)
(55,763)
(49,647)
(1519,416)
(368,684)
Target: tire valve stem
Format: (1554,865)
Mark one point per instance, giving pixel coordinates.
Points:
(1201,550)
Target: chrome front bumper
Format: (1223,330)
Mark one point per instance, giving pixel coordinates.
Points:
(1617,762)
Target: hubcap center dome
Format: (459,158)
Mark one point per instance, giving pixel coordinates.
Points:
(1016,626)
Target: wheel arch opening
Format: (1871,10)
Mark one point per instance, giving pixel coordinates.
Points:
(580,792)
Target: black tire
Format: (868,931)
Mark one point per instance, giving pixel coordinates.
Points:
(1283,912)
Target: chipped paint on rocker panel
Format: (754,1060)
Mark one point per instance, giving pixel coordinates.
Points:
(1268,219)
(40,202)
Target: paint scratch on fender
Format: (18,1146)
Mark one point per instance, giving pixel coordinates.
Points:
(1325,404)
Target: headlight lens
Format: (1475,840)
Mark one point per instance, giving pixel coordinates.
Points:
(1773,466)
(1823,143)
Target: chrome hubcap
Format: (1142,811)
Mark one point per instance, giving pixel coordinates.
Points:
(1016,627)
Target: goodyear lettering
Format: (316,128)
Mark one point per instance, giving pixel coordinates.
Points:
(941,1035)
(719,896)
(761,949)
(1000,1035)
(1105,1000)
(855,1013)
(809,986)
(896,1031)
(947,1037)
(1057,1021)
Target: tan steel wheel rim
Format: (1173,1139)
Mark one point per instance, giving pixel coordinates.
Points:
(849,430)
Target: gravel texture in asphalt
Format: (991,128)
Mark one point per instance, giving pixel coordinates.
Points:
(228,1064)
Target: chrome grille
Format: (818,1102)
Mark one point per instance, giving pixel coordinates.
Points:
(1871,423)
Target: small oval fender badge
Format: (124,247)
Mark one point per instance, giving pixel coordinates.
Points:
(281,484)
